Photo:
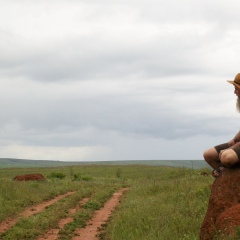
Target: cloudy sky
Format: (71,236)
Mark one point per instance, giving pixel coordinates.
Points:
(91,80)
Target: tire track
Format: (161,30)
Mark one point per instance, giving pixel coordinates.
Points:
(52,234)
(10,222)
(100,217)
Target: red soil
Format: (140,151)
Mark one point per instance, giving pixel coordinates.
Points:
(223,213)
(90,232)
(53,233)
(101,216)
(9,222)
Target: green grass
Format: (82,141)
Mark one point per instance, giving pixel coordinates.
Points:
(80,218)
(162,203)
(171,205)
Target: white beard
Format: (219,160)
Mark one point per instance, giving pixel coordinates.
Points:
(238,104)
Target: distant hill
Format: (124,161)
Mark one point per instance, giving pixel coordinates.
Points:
(23,163)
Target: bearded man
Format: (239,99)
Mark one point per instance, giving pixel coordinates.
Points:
(226,155)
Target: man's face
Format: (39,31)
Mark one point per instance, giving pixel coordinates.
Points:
(237,91)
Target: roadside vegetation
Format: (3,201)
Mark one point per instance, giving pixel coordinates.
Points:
(162,202)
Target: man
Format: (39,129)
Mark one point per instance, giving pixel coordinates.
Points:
(226,155)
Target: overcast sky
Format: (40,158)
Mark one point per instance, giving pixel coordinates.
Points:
(117,79)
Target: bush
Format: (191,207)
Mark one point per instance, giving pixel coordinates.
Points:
(118,172)
(57,175)
(79,177)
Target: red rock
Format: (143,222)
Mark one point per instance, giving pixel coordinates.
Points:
(30,177)
(223,213)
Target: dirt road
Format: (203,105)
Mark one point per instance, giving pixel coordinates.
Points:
(90,232)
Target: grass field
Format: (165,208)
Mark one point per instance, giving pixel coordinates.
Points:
(162,202)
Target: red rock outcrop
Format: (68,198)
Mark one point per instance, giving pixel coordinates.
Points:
(223,213)
(30,177)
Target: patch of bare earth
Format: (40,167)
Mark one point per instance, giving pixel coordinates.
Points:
(9,222)
(101,216)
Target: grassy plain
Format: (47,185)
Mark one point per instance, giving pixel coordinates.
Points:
(162,203)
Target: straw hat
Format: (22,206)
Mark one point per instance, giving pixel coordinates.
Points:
(236,81)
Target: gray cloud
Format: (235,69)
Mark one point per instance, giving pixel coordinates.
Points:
(150,41)
(116,80)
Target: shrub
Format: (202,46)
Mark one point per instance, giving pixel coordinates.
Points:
(79,177)
(56,175)
(118,172)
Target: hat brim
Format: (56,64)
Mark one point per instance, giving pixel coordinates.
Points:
(232,82)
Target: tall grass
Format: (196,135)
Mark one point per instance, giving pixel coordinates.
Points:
(168,206)
(162,203)
(15,196)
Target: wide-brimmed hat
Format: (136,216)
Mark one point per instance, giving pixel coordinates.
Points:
(236,81)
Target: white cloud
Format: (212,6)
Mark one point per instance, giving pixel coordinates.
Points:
(116,79)
(53,153)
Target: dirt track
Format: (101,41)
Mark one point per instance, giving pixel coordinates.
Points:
(101,216)
(88,233)
(53,233)
(9,222)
